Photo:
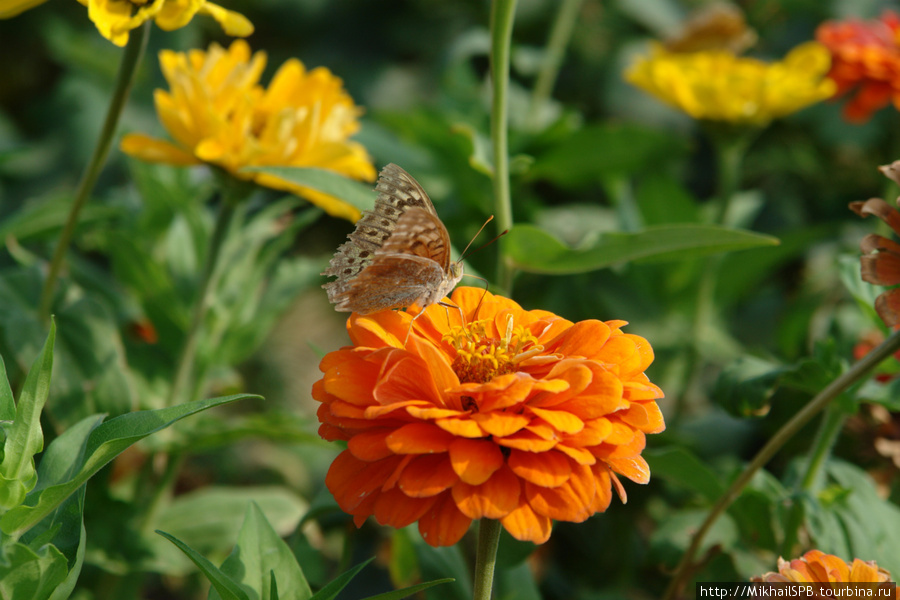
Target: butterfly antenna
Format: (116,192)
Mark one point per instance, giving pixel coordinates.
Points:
(475,237)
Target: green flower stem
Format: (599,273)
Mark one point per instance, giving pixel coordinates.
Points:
(188,356)
(502,16)
(486,558)
(553,57)
(829,429)
(131,58)
(853,375)
(730,147)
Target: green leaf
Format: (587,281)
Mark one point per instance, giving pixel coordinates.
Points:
(259,552)
(208,519)
(25,437)
(536,251)
(600,151)
(26,574)
(227,588)
(7,402)
(409,591)
(681,467)
(849,516)
(745,387)
(334,587)
(104,443)
(359,195)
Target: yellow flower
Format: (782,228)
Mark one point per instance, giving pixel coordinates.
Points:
(719,86)
(10,8)
(217,113)
(115,18)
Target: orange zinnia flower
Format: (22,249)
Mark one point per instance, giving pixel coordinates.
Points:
(817,567)
(509,414)
(865,57)
(880,262)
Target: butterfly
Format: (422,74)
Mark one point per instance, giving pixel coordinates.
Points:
(399,254)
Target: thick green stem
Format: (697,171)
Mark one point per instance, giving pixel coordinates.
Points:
(131,58)
(486,558)
(855,374)
(553,57)
(828,433)
(502,16)
(188,356)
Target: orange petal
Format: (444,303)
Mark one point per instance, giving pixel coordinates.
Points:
(493,499)
(475,460)
(500,424)
(380,330)
(562,421)
(602,486)
(547,469)
(594,432)
(644,416)
(429,414)
(352,480)
(370,445)
(620,350)
(379,412)
(407,379)
(462,427)
(353,381)
(427,476)
(574,372)
(579,455)
(396,509)
(443,524)
(573,501)
(526,525)
(525,440)
(419,438)
(585,339)
(635,469)
(500,392)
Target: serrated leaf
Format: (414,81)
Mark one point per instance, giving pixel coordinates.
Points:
(7,402)
(359,195)
(105,443)
(536,251)
(25,437)
(259,552)
(224,585)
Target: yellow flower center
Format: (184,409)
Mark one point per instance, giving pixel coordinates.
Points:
(480,357)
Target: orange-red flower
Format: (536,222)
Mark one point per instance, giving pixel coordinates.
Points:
(880,262)
(865,57)
(817,567)
(489,412)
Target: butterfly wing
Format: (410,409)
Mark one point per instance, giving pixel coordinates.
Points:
(391,281)
(397,191)
(408,269)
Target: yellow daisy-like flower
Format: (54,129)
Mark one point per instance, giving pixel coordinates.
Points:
(217,113)
(719,86)
(115,18)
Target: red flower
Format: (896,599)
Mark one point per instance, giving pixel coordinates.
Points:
(865,57)
(516,415)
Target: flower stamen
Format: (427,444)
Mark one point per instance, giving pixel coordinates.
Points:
(480,357)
